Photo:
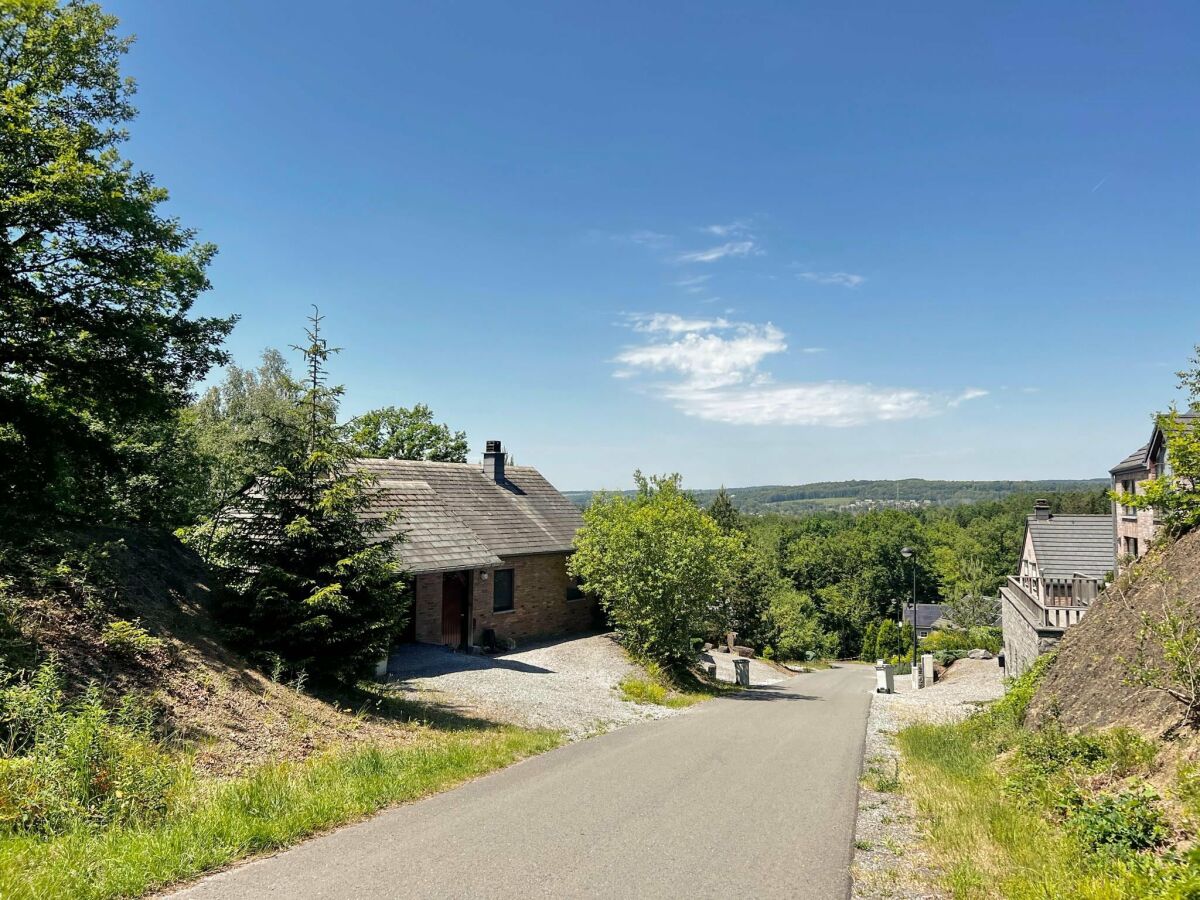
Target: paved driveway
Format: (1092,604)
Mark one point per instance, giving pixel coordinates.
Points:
(752,794)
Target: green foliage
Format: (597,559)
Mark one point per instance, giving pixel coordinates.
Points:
(97,345)
(961,641)
(870,636)
(723,512)
(887,640)
(1168,654)
(798,627)
(67,764)
(659,566)
(1173,495)
(311,580)
(129,639)
(235,425)
(1123,821)
(395,432)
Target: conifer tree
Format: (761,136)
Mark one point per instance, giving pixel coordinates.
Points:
(313,582)
(723,511)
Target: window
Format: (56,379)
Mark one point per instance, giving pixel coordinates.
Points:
(502,590)
(1128,486)
(1131,546)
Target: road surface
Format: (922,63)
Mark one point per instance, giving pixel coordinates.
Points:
(750,795)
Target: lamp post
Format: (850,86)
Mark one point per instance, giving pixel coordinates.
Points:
(910,553)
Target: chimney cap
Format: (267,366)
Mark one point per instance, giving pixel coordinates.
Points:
(1042,502)
(493,447)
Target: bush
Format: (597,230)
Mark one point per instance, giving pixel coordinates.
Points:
(954,640)
(799,627)
(72,763)
(129,638)
(1121,822)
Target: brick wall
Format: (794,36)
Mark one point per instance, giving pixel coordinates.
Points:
(539,608)
(540,605)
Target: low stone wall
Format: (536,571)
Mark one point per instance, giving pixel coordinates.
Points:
(1024,642)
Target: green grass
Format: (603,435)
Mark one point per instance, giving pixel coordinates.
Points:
(993,834)
(217,823)
(671,689)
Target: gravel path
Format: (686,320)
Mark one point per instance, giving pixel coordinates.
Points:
(569,685)
(889,861)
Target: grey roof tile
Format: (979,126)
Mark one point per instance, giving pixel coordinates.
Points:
(456,517)
(1070,545)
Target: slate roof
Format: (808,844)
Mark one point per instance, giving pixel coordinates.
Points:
(1134,462)
(456,517)
(1066,545)
(927,614)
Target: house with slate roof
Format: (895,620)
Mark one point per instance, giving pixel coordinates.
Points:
(930,618)
(1064,563)
(1135,529)
(487,546)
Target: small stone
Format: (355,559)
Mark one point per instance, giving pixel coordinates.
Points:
(979,653)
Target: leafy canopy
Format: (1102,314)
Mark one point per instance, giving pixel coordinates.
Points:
(97,348)
(658,564)
(394,432)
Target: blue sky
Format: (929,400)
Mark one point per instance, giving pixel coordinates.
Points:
(752,243)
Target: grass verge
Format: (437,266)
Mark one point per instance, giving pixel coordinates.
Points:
(676,690)
(217,823)
(1024,814)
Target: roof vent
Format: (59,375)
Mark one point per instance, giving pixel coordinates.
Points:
(1041,510)
(493,461)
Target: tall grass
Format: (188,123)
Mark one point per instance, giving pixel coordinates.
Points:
(1004,819)
(275,806)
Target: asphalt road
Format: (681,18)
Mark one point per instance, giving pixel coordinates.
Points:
(753,794)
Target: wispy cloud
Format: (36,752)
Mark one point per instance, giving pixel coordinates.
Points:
(841,279)
(721,251)
(671,323)
(693,284)
(646,238)
(711,369)
(735,228)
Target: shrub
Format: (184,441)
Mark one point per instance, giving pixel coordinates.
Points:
(1129,820)
(799,627)
(954,640)
(72,763)
(129,638)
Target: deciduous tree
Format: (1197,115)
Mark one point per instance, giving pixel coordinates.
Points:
(398,433)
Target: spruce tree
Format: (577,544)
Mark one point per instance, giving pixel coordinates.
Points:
(313,582)
(868,643)
(723,512)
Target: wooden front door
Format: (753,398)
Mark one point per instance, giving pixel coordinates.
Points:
(454,608)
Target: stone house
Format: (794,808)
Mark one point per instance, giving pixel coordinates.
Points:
(1064,563)
(1134,529)
(487,546)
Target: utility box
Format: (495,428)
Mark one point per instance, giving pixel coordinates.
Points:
(927,668)
(741,671)
(884,678)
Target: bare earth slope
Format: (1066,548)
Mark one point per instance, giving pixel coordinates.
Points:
(210,699)
(1086,687)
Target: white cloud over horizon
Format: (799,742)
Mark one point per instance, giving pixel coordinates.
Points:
(712,369)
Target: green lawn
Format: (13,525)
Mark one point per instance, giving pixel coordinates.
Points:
(216,823)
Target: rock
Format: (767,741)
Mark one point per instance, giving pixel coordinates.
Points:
(707,646)
(978,653)
(745,652)
(939,671)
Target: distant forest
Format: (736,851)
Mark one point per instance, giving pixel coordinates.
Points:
(853,496)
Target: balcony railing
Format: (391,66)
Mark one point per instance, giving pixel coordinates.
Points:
(1056,602)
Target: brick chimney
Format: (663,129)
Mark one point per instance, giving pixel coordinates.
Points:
(1041,510)
(493,461)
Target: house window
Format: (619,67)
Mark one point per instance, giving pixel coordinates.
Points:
(502,590)
(1128,486)
(1131,546)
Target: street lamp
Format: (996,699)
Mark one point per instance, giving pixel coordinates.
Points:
(910,553)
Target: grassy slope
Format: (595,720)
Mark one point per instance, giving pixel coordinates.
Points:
(221,822)
(266,764)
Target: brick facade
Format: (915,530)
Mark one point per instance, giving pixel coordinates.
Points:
(540,604)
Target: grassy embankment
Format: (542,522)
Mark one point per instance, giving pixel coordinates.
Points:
(213,824)
(1019,813)
(676,690)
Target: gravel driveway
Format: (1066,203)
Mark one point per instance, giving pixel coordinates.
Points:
(562,684)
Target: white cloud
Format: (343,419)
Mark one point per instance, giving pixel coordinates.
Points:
(672,323)
(968,394)
(646,238)
(705,360)
(737,227)
(712,254)
(830,403)
(841,279)
(711,371)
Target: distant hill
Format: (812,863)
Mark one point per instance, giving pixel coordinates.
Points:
(852,496)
